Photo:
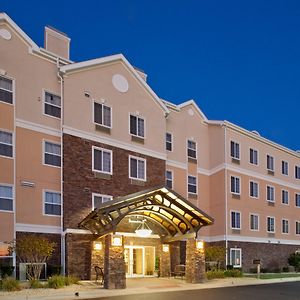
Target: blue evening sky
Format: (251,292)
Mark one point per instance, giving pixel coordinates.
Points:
(239,60)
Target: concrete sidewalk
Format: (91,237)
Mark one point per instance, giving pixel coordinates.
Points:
(88,289)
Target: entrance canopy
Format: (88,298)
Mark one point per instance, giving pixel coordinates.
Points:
(178,218)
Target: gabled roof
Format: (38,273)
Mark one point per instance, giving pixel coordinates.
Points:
(113,58)
(177,216)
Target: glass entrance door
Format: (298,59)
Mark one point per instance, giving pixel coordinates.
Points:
(134,260)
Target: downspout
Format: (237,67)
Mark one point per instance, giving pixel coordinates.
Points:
(62,246)
(226,195)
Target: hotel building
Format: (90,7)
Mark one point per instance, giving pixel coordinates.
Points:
(89,152)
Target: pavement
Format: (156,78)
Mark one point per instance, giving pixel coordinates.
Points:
(90,289)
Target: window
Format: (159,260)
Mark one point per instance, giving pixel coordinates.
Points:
(254,222)
(191,149)
(102,115)
(297,200)
(270,193)
(52,203)
(6,90)
(192,184)
(168,141)
(137,168)
(235,150)
(270,224)
(6,198)
(297,227)
(284,167)
(169,179)
(285,226)
(235,220)
(52,154)
(52,105)
(235,185)
(253,157)
(253,189)
(284,197)
(236,257)
(99,199)
(102,160)
(137,125)
(297,172)
(270,163)
(6,144)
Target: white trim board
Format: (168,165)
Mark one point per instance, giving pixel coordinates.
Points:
(38,228)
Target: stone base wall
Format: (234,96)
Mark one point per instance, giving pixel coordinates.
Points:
(78,255)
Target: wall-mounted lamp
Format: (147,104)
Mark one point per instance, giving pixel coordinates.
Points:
(97,246)
(200,245)
(165,248)
(116,240)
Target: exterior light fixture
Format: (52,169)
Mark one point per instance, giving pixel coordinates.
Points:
(200,245)
(165,248)
(116,240)
(97,246)
(143,230)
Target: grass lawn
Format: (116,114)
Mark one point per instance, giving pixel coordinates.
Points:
(273,275)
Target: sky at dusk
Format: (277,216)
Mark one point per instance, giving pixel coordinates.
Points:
(239,60)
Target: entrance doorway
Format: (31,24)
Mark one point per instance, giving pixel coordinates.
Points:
(139,261)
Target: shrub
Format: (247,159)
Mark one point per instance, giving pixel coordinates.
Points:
(285,269)
(10,284)
(71,280)
(294,260)
(229,267)
(6,271)
(233,273)
(56,281)
(35,284)
(215,274)
(53,270)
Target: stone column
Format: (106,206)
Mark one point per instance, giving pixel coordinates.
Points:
(165,261)
(97,257)
(114,265)
(174,254)
(195,263)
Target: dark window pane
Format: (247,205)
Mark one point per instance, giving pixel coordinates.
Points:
(6,204)
(98,113)
(52,110)
(192,153)
(133,168)
(98,160)
(106,116)
(6,150)
(6,96)
(133,129)
(52,209)
(53,160)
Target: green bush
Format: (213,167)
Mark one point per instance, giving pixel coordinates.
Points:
(6,271)
(233,273)
(215,274)
(10,284)
(56,281)
(53,270)
(294,260)
(71,280)
(35,284)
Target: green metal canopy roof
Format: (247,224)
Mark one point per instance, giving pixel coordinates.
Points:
(178,217)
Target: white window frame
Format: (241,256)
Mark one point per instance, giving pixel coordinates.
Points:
(240,185)
(273,188)
(172,178)
(273,159)
(240,223)
(233,155)
(257,157)
(44,104)
(188,184)
(138,117)
(13,198)
(189,148)
(145,169)
(284,168)
(93,161)
(169,142)
(44,203)
(100,195)
(297,224)
(297,172)
(13,143)
(254,183)
(288,197)
(270,217)
(283,226)
(257,216)
(111,114)
(13,90)
(297,195)
(231,256)
(44,153)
